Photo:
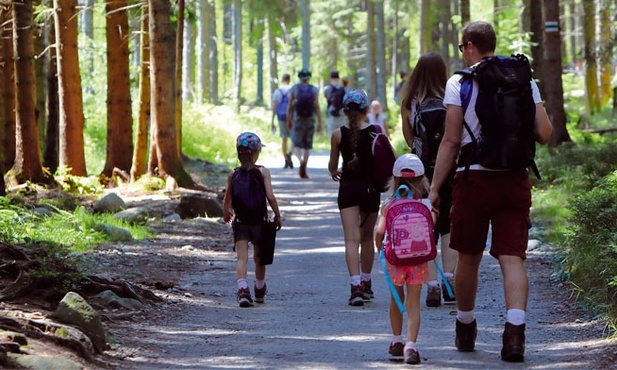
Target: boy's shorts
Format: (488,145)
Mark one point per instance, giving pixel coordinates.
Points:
(249,232)
(408,275)
(501,199)
(283,130)
(303,131)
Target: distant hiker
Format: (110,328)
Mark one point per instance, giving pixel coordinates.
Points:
(345,81)
(423,117)
(302,109)
(485,196)
(248,188)
(358,199)
(407,280)
(280,100)
(397,89)
(377,117)
(334,92)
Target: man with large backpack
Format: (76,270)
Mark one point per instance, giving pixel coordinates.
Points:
(302,109)
(491,186)
(280,100)
(334,93)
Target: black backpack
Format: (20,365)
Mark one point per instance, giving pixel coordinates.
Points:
(506,111)
(248,195)
(335,100)
(305,100)
(428,129)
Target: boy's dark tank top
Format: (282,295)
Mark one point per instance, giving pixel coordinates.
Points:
(363,151)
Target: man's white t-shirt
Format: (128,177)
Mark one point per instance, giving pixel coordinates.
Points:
(277,96)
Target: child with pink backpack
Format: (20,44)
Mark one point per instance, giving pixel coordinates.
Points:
(404,237)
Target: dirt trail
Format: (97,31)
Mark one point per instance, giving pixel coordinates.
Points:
(306,323)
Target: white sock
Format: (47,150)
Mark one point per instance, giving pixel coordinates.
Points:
(365,277)
(243,283)
(354,280)
(465,317)
(448,274)
(260,283)
(433,283)
(411,345)
(515,316)
(397,339)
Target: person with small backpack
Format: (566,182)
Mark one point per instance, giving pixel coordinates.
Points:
(423,115)
(404,237)
(358,197)
(280,100)
(249,187)
(302,109)
(494,118)
(334,92)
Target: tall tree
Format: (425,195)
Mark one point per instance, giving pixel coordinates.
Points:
(50,156)
(553,86)
(306,34)
(119,109)
(27,166)
(537,42)
(591,70)
(140,152)
(272,55)
(69,89)
(214,64)
(607,40)
(381,53)
(178,74)
(87,30)
(371,50)
(8,89)
(162,72)
(188,55)
(465,13)
(237,44)
(203,51)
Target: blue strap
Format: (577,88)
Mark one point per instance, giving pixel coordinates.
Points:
(443,278)
(466,91)
(397,195)
(397,299)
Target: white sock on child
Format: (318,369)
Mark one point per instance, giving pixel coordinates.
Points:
(365,277)
(354,280)
(397,339)
(243,283)
(465,317)
(433,283)
(411,345)
(515,316)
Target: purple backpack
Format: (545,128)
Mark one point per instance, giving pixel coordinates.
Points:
(383,159)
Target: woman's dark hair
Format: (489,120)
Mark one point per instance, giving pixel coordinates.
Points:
(427,80)
(355,116)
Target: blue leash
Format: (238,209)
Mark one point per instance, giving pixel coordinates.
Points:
(397,299)
(443,278)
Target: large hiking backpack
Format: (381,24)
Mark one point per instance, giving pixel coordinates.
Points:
(428,129)
(384,157)
(281,106)
(409,238)
(248,195)
(335,100)
(305,100)
(506,111)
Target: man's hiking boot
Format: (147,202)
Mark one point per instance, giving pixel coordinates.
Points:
(288,162)
(302,172)
(412,357)
(396,349)
(513,349)
(260,293)
(367,290)
(357,296)
(466,336)
(433,296)
(447,298)
(244,297)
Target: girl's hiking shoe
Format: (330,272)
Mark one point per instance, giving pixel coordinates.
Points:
(260,293)
(244,297)
(433,296)
(396,349)
(367,290)
(357,296)
(447,298)
(412,357)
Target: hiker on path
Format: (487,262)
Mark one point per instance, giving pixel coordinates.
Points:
(248,188)
(408,280)
(358,199)
(302,109)
(501,198)
(422,118)
(377,117)
(334,92)
(397,89)
(280,100)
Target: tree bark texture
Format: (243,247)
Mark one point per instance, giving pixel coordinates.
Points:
(213,50)
(140,152)
(178,78)
(607,41)
(8,91)
(591,67)
(71,113)
(465,14)
(203,60)
(537,39)
(272,55)
(119,108)
(371,49)
(237,44)
(188,65)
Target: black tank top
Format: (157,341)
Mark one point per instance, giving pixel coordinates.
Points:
(363,151)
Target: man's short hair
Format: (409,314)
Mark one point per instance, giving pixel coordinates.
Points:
(402,74)
(334,73)
(482,36)
(286,78)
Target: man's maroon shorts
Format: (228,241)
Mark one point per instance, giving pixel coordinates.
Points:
(499,198)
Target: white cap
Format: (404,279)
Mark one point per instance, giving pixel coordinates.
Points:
(408,165)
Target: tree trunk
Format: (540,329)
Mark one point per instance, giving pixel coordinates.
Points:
(178,84)
(306,34)
(8,138)
(41,68)
(371,49)
(260,69)
(574,27)
(203,62)
(188,65)
(27,166)
(119,109)
(4,60)
(237,44)
(272,56)
(162,93)
(69,89)
(140,154)
(465,14)
(591,70)
(607,40)
(87,29)
(426,26)
(381,54)
(553,86)
(50,156)
(214,64)
(537,40)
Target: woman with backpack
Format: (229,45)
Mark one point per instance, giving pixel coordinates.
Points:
(423,117)
(358,198)
(248,188)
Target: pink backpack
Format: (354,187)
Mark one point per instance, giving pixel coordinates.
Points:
(409,238)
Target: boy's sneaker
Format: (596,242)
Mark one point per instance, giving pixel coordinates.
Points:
(244,297)
(433,296)
(412,357)
(357,296)
(396,349)
(302,171)
(466,336)
(260,293)
(288,162)
(513,349)
(447,298)
(367,290)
